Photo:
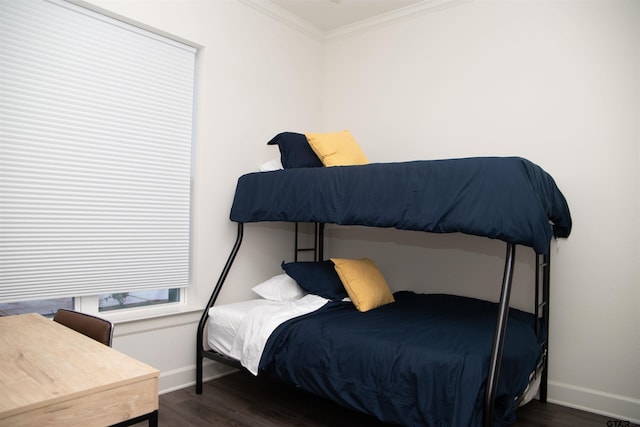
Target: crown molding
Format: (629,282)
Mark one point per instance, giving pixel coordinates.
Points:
(299,24)
(285,17)
(411,11)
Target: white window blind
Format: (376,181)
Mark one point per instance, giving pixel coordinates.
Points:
(95,154)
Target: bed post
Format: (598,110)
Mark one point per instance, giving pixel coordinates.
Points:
(543,261)
(546,278)
(212,300)
(319,241)
(498,336)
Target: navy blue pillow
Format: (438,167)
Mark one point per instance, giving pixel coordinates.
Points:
(295,151)
(318,278)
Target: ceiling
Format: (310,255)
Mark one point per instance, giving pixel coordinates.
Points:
(328,15)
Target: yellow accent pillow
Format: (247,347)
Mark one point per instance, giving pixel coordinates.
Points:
(364,283)
(337,148)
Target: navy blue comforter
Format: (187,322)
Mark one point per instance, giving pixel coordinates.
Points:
(507,198)
(421,361)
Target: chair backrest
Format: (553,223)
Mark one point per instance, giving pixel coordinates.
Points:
(94,327)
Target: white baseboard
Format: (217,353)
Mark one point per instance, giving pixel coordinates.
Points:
(598,402)
(177,379)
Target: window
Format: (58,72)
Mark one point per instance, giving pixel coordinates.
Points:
(96,128)
(119,300)
(45,307)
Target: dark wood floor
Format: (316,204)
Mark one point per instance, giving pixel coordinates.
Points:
(240,400)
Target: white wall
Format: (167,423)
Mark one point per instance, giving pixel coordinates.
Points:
(557,82)
(256,77)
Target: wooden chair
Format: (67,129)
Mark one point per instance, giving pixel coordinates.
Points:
(94,327)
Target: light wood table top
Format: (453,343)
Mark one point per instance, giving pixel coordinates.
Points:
(52,375)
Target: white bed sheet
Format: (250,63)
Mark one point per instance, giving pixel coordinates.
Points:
(224,321)
(241,330)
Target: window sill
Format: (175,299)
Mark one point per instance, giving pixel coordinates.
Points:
(138,320)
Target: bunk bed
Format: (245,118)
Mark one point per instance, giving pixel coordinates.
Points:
(493,367)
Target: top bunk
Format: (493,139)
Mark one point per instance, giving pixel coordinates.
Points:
(506,198)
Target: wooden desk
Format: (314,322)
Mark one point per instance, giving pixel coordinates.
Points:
(51,375)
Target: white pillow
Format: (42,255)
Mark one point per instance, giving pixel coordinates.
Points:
(271,165)
(279,288)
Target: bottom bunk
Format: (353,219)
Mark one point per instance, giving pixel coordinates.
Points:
(422,360)
(431,360)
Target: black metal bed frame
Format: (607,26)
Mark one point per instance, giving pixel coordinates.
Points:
(541,311)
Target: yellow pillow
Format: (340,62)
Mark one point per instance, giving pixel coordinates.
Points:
(364,283)
(337,148)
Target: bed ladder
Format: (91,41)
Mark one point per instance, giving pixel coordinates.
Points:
(318,242)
